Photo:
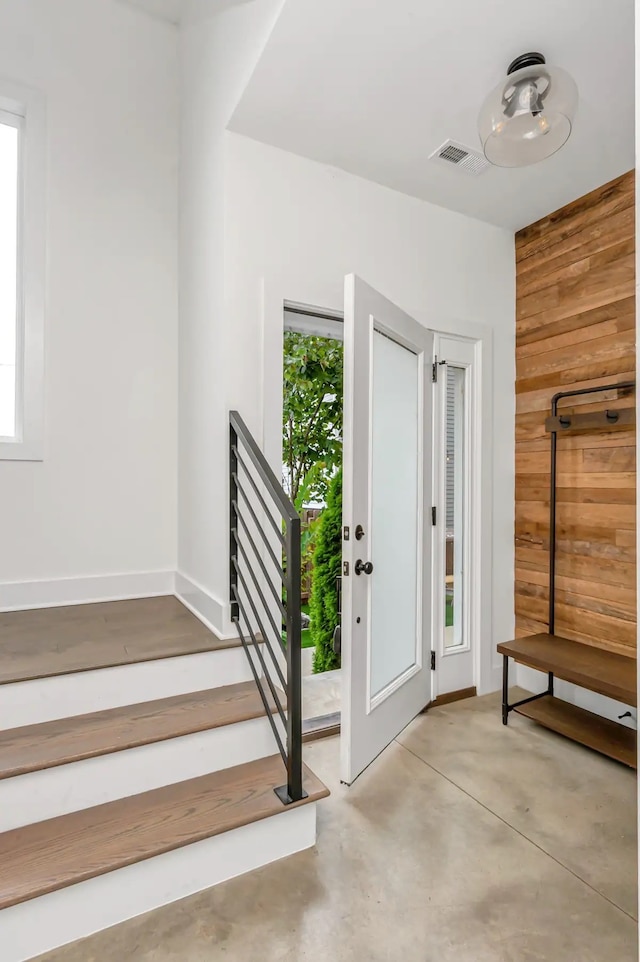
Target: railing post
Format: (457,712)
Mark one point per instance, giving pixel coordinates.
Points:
(293,790)
(233,522)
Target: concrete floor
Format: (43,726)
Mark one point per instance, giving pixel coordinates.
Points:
(463,842)
(321,694)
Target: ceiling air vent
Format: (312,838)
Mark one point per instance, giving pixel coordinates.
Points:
(451,154)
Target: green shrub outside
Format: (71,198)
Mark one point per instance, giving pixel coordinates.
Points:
(327,564)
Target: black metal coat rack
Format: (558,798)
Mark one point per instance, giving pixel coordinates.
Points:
(564,423)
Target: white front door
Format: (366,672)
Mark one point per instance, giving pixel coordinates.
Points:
(386,583)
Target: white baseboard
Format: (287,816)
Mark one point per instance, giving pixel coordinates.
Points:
(535,681)
(51,792)
(57,592)
(210,610)
(22,595)
(43,699)
(47,922)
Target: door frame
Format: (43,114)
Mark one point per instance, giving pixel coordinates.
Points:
(274,293)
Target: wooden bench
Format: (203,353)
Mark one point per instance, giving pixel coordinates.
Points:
(592,668)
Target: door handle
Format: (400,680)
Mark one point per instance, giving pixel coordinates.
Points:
(363,567)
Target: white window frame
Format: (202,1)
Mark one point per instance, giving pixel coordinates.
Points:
(462,352)
(26,109)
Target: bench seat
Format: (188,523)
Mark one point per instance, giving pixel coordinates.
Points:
(604,672)
(601,671)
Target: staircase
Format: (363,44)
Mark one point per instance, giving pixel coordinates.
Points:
(142,759)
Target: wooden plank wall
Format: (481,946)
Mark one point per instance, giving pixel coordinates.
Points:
(575,327)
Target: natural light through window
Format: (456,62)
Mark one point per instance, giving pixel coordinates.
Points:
(9,138)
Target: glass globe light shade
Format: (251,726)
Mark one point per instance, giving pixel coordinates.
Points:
(528,116)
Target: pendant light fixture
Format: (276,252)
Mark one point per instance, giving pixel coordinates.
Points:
(529,115)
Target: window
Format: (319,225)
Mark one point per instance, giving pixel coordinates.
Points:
(460,511)
(455,482)
(22,219)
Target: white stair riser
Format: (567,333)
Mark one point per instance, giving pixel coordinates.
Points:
(69,788)
(44,923)
(32,702)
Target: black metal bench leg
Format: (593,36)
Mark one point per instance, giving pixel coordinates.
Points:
(505,689)
(550,689)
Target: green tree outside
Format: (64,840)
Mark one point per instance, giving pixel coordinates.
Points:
(312,415)
(327,564)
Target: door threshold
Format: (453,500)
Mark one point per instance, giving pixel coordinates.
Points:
(322,726)
(451,696)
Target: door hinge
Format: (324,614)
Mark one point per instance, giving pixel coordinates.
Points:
(434,369)
(433,661)
(345,569)
(434,516)
(346,533)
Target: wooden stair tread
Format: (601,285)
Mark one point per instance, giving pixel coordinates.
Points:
(601,734)
(46,745)
(51,855)
(45,642)
(605,672)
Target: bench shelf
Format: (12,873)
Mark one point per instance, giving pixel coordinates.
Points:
(604,672)
(600,734)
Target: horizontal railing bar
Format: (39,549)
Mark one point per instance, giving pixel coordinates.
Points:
(260,528)
(265,701)
(277,630)
(274,658)
(258,495)
(263,567)
(263,468)
(272,688)
(261,626)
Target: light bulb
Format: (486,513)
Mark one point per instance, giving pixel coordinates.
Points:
(539,128)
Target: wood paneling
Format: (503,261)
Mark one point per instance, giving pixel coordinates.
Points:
(575,327)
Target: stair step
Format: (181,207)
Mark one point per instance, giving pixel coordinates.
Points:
(52,855)
(47,745)
(46,642)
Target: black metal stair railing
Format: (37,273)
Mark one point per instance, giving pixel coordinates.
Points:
(264,591)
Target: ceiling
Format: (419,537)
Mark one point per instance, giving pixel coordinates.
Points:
(170,10)
(375,87)
(177,11)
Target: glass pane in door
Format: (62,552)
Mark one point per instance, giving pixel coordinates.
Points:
(395,488)
(454,506)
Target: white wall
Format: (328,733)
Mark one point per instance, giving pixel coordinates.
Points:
(104,498)
(294,228)
(217,57)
